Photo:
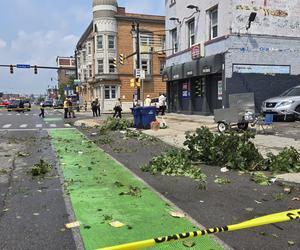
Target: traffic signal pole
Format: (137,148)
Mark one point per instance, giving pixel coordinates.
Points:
(138,57)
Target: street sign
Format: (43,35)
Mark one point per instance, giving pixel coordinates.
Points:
(77,81)
(142,75)
(137,73)
(23,66)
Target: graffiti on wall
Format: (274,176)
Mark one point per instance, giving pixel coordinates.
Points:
(263,10)
(276,17)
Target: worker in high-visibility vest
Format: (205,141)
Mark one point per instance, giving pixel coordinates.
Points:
(66,108)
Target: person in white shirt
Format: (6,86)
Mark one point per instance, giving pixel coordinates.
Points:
(147,101)
(162,104)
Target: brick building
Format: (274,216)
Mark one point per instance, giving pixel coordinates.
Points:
(68,69)
(108,36)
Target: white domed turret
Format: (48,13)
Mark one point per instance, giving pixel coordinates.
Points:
(104,8)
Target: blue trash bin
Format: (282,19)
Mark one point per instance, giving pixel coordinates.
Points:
(137,115)
(148,116)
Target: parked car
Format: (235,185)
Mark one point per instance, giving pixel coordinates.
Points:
(48,103)
(15,105)
(4,103)
(288,103)
(58,104)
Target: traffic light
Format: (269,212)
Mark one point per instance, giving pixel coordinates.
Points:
(135,82)
(138,82)
(35,69)
(115,62)
(11,69)
(121,59)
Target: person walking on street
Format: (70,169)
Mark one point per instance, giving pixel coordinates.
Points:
(66,108)
(85,106)
(98,107)
(94,108)
(70,109)
(21,106)
(118,109)
(42,107)
(162,104)
(147,101)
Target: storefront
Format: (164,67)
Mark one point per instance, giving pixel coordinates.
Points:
(195,87)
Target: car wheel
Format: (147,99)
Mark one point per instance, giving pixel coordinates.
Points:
(222,127)
(297,116)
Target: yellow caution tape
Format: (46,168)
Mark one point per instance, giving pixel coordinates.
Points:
(260,221)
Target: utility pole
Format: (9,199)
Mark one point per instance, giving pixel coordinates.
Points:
(138,56)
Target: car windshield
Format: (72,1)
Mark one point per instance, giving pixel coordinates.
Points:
(292,92)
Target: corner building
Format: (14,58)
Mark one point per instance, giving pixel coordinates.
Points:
(213,52)
(108,36)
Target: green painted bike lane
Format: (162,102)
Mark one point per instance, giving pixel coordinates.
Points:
(101,190)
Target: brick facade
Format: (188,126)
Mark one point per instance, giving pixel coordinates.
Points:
(95,85)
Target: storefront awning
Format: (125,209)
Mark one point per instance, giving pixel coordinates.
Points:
(190,69)
(211,64)
(167,74)
(177,72)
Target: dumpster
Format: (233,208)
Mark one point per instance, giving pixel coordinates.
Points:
(148,116)
(137,115)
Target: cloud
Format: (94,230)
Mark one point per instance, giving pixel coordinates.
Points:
(2,43)
(34,48)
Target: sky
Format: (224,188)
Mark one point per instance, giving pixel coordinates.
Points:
(35,32)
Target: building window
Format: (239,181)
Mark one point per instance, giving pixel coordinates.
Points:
(84,56)
(100,66)
(100,42)
(110,92)
(112,67)
(111,42)
(146,66)
(174,41)
(90,71)
(213,23)
(191,32)
(162,66)
(89,49)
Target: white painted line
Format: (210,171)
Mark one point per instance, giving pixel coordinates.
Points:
(6,126)
(39,125)
(9,114)
(52,125)
(35,114)
(67,125)
(27,114)
(24,126)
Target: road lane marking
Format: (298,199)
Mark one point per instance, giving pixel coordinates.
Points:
(9,114)
(18,114)
(52,125)
(67,125)
(6,126)
(27,114)
(39,125)
(24,126)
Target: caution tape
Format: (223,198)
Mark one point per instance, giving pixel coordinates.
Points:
(260,221)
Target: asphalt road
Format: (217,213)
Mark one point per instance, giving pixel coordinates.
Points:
(218,205)
(31,120)
(33,211)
